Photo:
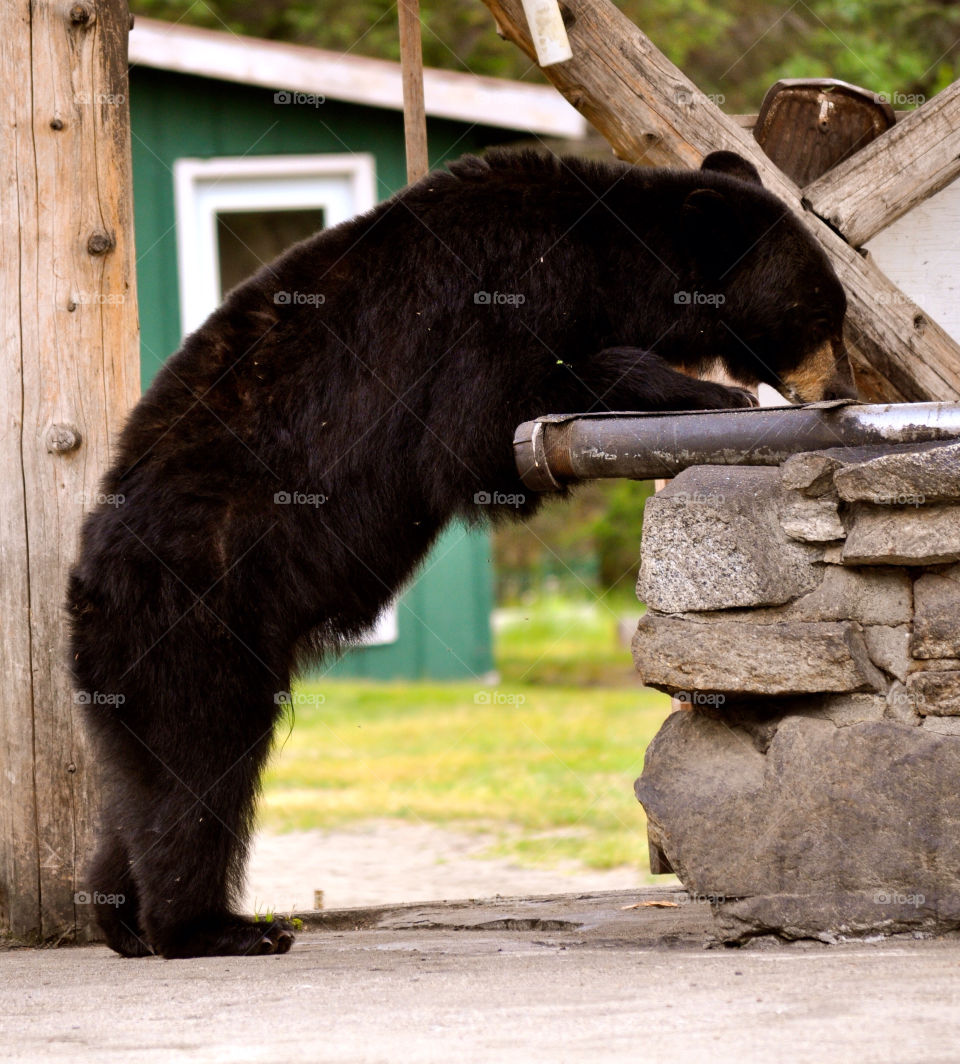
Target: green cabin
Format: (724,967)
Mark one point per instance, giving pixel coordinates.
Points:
(243,146)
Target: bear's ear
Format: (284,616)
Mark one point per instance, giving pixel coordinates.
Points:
(728,162)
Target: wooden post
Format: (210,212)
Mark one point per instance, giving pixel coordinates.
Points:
(70,373)
(652,113)
(414,113)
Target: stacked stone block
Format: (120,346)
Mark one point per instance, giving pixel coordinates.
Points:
(807,619)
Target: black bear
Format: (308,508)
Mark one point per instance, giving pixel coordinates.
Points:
(293,462)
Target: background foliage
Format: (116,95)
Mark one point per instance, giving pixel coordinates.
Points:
(734,48)
(591,541)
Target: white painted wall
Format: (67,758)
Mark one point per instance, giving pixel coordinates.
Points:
(920,253)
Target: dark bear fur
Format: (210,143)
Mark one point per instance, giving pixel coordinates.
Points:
(395,400)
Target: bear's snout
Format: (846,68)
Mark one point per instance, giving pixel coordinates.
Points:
(823,374)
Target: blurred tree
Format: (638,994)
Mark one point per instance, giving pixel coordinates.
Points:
(587,543)
(733,49)
(616,533)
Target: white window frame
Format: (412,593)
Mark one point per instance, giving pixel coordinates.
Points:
(341,185)
(383,630)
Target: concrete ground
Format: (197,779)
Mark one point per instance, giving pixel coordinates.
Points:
(593,978)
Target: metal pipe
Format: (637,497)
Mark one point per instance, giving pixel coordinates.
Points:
(561,448)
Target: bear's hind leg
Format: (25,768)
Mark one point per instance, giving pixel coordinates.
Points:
(114,897)
(188,859)
(181,743)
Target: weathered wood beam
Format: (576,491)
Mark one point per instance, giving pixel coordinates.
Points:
(70,372)
(901,168)
(651,113)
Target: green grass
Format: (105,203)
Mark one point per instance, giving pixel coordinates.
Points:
(555,641)
(548,768)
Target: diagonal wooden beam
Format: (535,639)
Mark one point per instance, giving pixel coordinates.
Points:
(651,113)
(901,168)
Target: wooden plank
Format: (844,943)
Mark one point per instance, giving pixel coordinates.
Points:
(900,169)
(70,375)
(414,115)
(651,113)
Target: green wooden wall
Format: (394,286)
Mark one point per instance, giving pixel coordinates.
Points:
(443,618)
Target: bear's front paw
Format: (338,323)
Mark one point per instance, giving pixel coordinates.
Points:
(230,936)
(740,397)
(276,937)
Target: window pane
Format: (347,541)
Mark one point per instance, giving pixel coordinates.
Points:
(246,240)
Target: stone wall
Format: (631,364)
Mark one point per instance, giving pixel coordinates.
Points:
(807,617)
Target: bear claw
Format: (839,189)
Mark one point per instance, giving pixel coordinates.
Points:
(276,940)
(234,937)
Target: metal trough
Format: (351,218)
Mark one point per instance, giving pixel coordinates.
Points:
(559,449)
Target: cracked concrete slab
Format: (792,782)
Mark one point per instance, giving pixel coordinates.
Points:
(631,981)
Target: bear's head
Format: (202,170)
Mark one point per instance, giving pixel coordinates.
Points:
(781,318)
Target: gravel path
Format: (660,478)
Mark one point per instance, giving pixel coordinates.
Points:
(385,862)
